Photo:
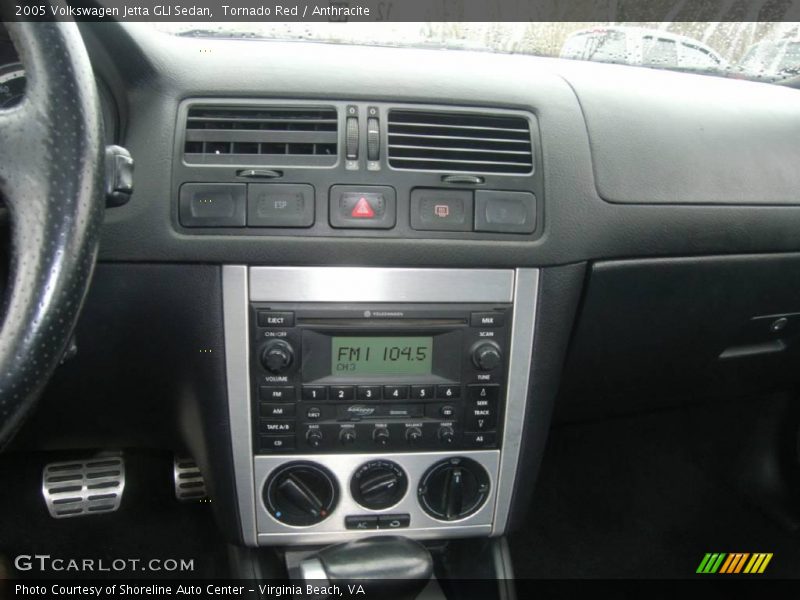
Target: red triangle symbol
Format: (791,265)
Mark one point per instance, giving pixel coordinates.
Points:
(362,209)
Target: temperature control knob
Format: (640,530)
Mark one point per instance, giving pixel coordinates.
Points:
(453,489)
(487,356)
(379,484)
(301,493)
(277,356)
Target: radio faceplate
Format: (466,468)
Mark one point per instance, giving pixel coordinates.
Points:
(377,377)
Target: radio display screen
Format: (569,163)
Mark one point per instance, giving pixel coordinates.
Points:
(400,355)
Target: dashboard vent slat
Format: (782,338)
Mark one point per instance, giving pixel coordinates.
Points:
(261,135)
(453,141)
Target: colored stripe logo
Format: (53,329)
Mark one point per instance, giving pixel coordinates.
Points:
(734,563)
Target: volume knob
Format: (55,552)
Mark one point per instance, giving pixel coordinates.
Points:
(277,356)
(487,356)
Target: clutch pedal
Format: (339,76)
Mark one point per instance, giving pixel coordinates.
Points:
(84,487)
(189,482)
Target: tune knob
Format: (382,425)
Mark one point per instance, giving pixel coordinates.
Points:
(487,356)
(380,436)
(379,484)
(300,493)
(453,489)
(277,356)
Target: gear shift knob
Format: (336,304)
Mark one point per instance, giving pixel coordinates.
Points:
(395,568)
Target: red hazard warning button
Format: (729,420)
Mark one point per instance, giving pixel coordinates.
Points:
(363,209)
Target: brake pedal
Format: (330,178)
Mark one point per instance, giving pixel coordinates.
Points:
(189,482)
(84,487)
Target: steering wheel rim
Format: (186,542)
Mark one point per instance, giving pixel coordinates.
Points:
(51,179)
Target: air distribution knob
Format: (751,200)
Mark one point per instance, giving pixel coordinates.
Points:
(379,484)
(487,356)
(277,356)
(301,493)
(453,489)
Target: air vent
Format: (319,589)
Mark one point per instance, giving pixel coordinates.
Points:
(261,135)
(452,141)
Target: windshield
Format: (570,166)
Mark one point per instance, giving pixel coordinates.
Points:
(761,51)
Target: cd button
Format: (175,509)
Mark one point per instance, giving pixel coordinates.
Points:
(277,442)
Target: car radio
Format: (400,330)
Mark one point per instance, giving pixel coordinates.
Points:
(355,378)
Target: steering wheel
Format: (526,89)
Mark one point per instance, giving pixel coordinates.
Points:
(51,178)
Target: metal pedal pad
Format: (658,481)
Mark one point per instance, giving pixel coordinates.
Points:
(189,482)
(84,487)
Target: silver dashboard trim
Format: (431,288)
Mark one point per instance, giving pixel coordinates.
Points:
(333,284)
(526,293)
(362,284)
(237,361)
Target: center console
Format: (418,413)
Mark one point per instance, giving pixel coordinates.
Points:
(363,400)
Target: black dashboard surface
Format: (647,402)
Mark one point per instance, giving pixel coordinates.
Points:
(746,166)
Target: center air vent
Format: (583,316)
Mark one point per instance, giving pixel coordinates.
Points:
(261,135)
(454,141)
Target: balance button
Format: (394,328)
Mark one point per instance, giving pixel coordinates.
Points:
(275,393)
(448,391)
(317,392)
(269,318)
(277,442)
(393,521)
(277,427)
(484,392)
(366,522)
(369,392)
(277,411)
(422,392)
(342,392)
(280,205)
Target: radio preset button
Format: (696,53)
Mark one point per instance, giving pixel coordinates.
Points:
(448,391)
(395,392)
(276,393)
(277,411)
(369,392)
(422,392)
(342,392)
(315,392)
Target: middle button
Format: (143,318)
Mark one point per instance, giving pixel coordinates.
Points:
(362,207)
